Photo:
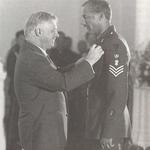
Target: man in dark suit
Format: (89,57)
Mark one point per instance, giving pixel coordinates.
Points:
(39,85)
(108,121)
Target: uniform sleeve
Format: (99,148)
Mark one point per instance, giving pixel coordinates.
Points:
(45,76)
(117,88)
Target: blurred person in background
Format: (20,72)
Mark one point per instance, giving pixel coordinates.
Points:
(82,48)
(62,54)
(68,55)
(90,38)
(56,51)
(84,45)
(11,104)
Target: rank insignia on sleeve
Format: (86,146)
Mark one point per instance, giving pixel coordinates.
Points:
(116,62)
(116,71)
(116,55)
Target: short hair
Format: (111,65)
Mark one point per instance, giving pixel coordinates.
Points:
(98,6)
(18,33)
(36,19)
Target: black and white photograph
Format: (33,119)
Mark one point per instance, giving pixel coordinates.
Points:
(74,75)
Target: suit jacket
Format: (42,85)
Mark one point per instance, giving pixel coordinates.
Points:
(107,112)
(39,88)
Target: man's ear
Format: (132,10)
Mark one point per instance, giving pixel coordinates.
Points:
(37,31)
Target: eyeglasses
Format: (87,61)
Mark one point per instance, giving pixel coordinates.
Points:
(88,16)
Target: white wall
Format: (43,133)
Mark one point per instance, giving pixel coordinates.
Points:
(124,16)
(143,23)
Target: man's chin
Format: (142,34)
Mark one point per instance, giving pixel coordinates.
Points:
(88,29)
(51,45)
(91,31)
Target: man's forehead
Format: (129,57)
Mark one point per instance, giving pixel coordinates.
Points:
(52,24)
(88,9)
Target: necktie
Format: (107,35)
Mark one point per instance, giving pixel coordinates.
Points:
(51,62)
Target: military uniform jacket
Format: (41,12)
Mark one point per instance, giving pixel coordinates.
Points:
(107,113)
(39,88)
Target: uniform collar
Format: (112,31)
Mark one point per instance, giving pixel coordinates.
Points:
(110,31)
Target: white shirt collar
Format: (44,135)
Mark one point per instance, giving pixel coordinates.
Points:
(43,51)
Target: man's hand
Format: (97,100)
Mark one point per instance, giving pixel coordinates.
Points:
(106,143)
(94,54)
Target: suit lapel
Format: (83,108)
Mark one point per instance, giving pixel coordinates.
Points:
(51,62)
(37,51)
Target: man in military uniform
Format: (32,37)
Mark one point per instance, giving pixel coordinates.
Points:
(107,118)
